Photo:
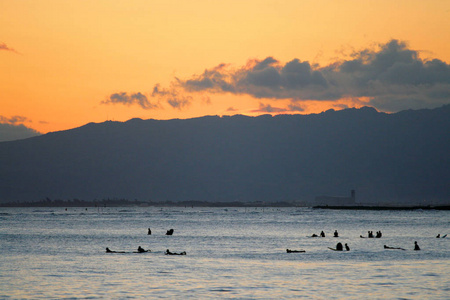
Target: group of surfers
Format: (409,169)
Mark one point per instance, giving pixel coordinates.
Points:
(339,247)
(142,250)
(370,235)
(322,234)
(336,234)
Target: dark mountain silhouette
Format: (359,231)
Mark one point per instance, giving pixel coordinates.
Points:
(386,158)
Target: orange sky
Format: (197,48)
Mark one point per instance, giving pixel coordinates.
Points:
(60,61)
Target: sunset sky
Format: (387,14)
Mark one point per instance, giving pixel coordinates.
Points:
(67,63)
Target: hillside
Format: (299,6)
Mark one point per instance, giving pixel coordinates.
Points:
(387,158)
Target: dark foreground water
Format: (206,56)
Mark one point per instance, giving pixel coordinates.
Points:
(231,253)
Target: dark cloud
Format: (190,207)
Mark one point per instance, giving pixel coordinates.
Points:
(268,108)
(179,102)
(136,98)
(173,96)
(13,129)
(3,46)
(231,109)
(392,76)
(295,107)
(14,120)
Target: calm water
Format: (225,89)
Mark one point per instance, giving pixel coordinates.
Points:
(231,253)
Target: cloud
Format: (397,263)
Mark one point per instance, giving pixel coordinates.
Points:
(174,96)
(14,120)
(179,102)
(392,76)
(136,98)
(295,107)
(389,77)
(268,108)
(13,129)
(3,46)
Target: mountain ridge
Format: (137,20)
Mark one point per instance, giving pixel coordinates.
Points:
(401,158)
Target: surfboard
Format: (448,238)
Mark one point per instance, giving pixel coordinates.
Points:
(334,249)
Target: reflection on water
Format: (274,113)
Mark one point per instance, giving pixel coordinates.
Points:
(231,253)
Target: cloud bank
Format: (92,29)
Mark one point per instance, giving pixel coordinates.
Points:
(391,78)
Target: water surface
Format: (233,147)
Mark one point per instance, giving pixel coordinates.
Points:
(231,253)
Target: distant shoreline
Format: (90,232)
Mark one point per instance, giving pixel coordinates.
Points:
(363,207)
(123,202)
(136,203)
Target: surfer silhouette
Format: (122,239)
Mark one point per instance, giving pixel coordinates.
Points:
(141,250)
(294,251)
(387,247)
(174,253)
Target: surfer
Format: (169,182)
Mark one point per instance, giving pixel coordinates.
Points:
(314,235)
(294,251)
(174,253)
(347,247)
(142,250)
(398,248)
(416,246)
(370,234)
(339,247)
(322,234)
(336,234)
(149,232)
(169,232)
(110,251)
(379,234)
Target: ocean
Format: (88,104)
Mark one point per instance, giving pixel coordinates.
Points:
(232,253)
